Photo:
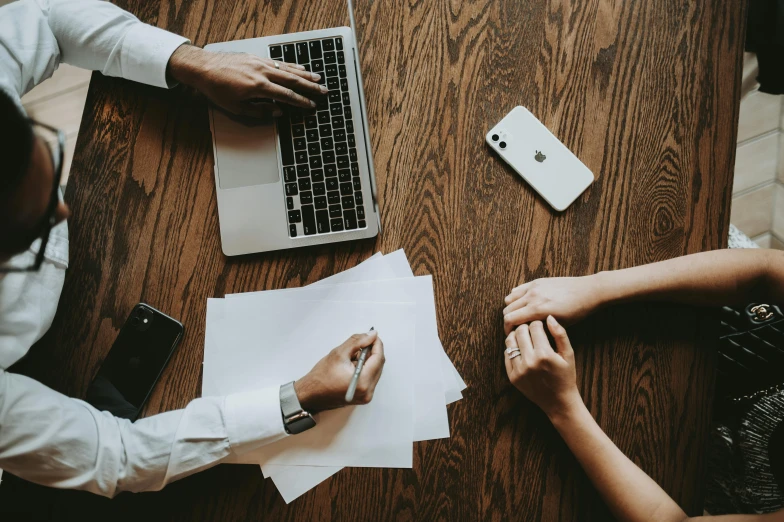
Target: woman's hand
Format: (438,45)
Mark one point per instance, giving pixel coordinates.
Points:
(568,298)
(546,376)
(245,84)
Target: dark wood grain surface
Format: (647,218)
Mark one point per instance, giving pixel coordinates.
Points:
(645,93)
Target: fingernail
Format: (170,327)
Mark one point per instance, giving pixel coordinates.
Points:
(312,103)
(315,77)
(323,88)
(301,67)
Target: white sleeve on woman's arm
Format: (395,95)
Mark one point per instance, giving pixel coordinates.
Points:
(50,439)
(36,35)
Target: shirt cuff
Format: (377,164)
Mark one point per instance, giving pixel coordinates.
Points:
(145,54)
(253,419)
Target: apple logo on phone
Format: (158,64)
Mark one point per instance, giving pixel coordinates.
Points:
(539,156)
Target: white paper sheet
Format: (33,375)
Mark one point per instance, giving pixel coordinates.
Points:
(430,415)
(293,481)
(265,341)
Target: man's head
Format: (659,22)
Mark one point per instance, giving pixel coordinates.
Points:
(27,174)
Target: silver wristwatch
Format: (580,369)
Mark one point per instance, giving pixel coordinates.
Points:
(295,419)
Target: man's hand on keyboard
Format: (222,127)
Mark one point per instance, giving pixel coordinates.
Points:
(324,387)
(242,83)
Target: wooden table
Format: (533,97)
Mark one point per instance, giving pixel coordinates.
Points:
(645,93)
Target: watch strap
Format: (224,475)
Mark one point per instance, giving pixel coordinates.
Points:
(295,419)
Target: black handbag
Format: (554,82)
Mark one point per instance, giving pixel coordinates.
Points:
(746,453)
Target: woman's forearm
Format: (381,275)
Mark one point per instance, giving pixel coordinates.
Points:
(630,494)
(719,277)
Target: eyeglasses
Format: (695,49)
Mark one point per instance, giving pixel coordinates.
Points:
(55,142)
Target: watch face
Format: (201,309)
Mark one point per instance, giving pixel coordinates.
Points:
(302,422)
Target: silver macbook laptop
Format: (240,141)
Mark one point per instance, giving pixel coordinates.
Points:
(306,178)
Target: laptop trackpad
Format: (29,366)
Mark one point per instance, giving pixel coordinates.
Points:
(245,151)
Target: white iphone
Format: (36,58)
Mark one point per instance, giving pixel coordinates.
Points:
(540,158)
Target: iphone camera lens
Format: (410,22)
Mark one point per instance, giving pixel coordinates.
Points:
(502,144)
(494,137)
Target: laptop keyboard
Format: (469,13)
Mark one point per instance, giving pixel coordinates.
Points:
(318,147)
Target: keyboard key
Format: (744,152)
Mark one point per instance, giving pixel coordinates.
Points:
(328,156)
(336,224)
(337,121)
(325,130)
(346,99)
(304,184)
(328,45)
(296,115)
(344,175)
(342,71)
(345,188)
(339,44)
(335,211)
(342,162)
(302,171)
(298,131)
(317,175)
(343,84)
(334,97)
(307,67)
(294,216)
(352,154)
(313,148)
(361,223)
(289,54)
(291,189)
(322,221)
(349,219)
(289,203)
(330,57)
(276,52)
(315,162)
(308,220)
(321,104)
(331,70)
(318,188)
(340,148)
(341,58)
(349,125)
(358,198)
(293,230)
(323,117)
(311,122)
(321,202)
(289,174)
(347,202)
(333,84)
(303,56)
(335,109)
(301,156)
(322,79)
(332,183)
(284,132)
(312,134)
(346,111)
(330,171)
(357,184)
(333,198)
(315,49)
(326,144)
(351,141)
(317,66)
(360,212)
(339,135)
(355,169)
(305,197)
(300,144)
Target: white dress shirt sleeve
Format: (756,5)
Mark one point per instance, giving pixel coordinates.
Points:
(36,35)
(51,439)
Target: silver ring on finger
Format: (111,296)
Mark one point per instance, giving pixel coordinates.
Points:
(512,349)
(277,65)
(513,355)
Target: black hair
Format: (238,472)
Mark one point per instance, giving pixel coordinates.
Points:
(16,146)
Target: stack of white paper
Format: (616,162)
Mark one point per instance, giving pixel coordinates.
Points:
(258,338)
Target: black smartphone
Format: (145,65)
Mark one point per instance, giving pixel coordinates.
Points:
(135,362)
